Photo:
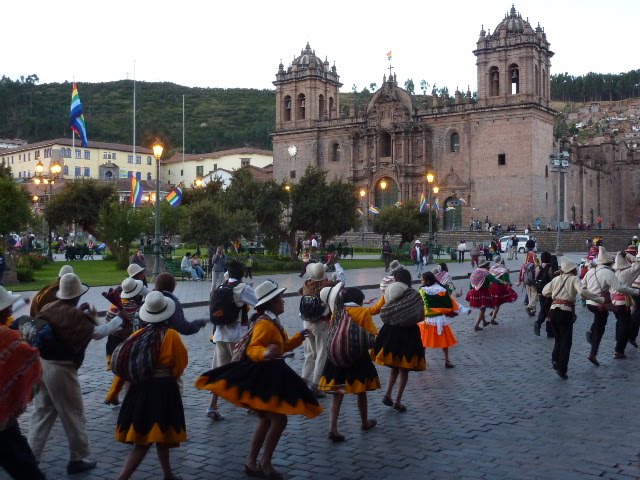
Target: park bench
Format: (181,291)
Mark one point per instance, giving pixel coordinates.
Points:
(173,267)
(344,251)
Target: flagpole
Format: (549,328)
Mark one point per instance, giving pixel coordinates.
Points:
(134,122)
(183,139)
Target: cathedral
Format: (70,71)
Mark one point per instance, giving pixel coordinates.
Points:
(489,156)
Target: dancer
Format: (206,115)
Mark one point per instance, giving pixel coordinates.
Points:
(501,293)
(626,274)
(262,381)
(563,290)
(398,345)
(439,306)
(152,410)
(361,375)
(441,272)
(388,279)
(126,305)
(48,293)
(478,295)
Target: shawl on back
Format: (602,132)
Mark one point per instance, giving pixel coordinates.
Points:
(20,370)
(478,277)
(406,311)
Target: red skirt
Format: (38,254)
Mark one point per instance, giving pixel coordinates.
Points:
(479,298)
(501,294)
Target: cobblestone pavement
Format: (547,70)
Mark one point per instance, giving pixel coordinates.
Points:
(501,413)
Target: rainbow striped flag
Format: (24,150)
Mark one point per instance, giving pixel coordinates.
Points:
(175,197)
(389,55)
(423,203)
(373,210)
(77,118)
(136,192)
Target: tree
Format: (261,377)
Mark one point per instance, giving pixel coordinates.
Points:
(207,220)
(80,202)
(373,87)
(409,86)
(15,211)
(170,219)
(210,191)
(405,220)
(5,171)
(118,225)
(424,85)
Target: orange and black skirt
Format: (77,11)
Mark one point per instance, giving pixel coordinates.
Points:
(269,386)
(152,412)
(360,377)
(399,347)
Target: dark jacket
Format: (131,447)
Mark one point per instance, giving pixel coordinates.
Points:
(178,322)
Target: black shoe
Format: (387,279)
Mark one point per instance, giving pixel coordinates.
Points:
(555,365)
(593,360)
(589,336)
(562,375)
(536,329)
(78,466)
(633,342)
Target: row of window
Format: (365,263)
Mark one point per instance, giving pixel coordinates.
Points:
(539,87)
(138,175)
(301,107)
(138,159)
(79,154)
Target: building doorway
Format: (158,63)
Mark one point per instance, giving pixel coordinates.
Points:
(452,214)
(386,192)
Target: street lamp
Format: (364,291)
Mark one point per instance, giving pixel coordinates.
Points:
(198,182)
(559,163)
(158,147)
(363,194)
(430,178)
(49,179)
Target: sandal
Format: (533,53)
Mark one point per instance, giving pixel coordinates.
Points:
(449,365)
(336,437)
(370,424)
(493,322)
(258,473)
(387,401)
(399,407)
(273,475)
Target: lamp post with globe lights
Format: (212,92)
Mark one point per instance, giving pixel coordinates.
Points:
(158,147)
(430,179)
(49,180)
(363,194)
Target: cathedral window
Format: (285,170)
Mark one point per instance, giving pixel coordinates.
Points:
(536,80)
(494,79)
(335,152)
(502,159)
(292,174)
(287,108)
(332,107)
(514,76)
(321,106)
(385,144)
(454,142)
(300,114)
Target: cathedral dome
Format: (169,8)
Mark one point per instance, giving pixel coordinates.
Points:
(513,24)
(308,59)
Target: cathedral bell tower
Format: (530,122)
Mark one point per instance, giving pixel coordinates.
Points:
(306,92)
(513,63)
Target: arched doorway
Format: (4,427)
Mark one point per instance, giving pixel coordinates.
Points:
(386,192)
(452,214)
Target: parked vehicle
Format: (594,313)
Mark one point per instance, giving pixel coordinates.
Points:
(522,240)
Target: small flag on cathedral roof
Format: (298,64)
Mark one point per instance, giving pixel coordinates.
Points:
(77,118)
(175,197)
(423,203)
(373,210)
(136,192)
(389,55)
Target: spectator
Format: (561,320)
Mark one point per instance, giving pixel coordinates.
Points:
(219,265)
(462,247)
(197,266)
(138,259)
(387,254)
(474,252)
(185,266)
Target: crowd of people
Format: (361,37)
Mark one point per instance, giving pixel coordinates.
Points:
(342,345)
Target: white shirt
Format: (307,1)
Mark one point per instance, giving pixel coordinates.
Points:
(314,243)
(602,279)
(568,287)
(243,294)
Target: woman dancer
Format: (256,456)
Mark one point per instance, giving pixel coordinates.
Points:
(262,381)
(439,306)
(361,376)
(400,349)
(501,293)
(152,410)
(478,295)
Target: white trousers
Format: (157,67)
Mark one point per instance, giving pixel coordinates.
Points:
(59,395)
(315,350)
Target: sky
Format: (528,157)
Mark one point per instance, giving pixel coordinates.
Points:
(239,44)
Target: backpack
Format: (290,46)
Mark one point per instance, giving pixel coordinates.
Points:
(311,308)
(543,278)
(223,309)
(135,359)
(529,274)
(348,341)
(35,330)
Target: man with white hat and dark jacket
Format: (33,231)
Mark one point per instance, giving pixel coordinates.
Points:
(600,281)
(59,393)
(564,289)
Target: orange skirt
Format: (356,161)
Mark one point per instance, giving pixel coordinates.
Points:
(431,339)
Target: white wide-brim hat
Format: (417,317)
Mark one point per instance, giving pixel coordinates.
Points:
(394,266)
(134,269)
(157,308)
(621,262)
(7,298)
(131,287)
(71,287)
(328,295)
(417,241)
(266,291)
(64,270)
(567,265)
(395,291)
(603,257)
(316,271)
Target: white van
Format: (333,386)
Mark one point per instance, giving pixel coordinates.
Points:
(522,241)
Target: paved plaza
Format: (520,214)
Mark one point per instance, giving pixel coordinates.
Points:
(501,413)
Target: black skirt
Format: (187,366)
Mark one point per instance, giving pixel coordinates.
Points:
(399,347)
(360,377)
(269,386)
(152,412)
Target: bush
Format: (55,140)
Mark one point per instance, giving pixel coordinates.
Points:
(275,264)
(33,261)
(25,275)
